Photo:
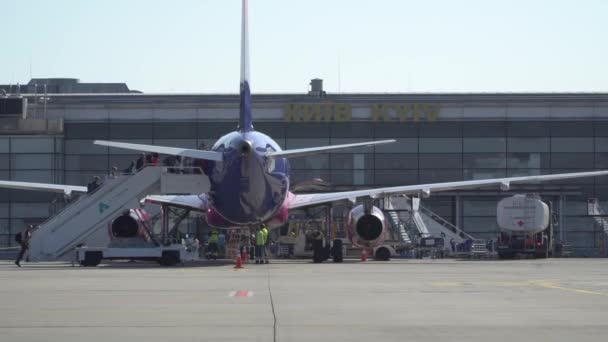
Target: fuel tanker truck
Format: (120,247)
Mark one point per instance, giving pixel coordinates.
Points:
(525,230)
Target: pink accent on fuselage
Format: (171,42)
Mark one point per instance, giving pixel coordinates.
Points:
(279,218)
(214,219)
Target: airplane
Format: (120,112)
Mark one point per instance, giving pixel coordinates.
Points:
(250,184)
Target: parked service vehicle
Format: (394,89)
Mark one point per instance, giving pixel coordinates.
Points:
(524,227)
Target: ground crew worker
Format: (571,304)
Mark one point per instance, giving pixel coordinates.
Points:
(292,238)
(213,247)
(24,240)
(260,247)
(266,242)
(317,246)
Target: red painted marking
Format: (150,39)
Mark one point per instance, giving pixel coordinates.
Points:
(241,293)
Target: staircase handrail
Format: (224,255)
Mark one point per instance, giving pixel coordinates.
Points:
(84,197)
(443,222)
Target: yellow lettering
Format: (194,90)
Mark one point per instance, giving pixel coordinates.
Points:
(290,112)
(312,112)
(342,112)
(431,112)
(416,112)
(327,110)
(379,113)
(402,111)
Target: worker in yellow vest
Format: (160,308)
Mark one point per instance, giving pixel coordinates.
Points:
(266,242)
(213,246)
(260,244)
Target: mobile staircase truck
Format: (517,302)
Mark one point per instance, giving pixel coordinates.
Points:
(88,220)
(416,226)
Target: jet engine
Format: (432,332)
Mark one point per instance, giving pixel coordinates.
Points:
(127,225)
(366,228)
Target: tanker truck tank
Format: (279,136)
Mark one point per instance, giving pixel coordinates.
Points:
(523,214)
(524,227)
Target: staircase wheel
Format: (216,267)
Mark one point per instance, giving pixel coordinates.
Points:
(169,258)
(92,258)
(383,254)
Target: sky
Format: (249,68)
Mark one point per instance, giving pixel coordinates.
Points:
(381,46)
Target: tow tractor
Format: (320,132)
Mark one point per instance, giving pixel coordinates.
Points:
(132,239)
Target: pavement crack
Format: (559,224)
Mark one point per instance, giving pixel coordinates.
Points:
(274,315)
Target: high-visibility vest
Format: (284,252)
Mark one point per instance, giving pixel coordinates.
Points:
(265,232)
(259,238)
(213,238)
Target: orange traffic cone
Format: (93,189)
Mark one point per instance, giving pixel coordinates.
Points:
(363,254)
(239,262)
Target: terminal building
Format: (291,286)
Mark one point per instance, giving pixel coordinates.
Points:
(47,136)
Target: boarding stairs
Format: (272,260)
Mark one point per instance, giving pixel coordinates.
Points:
(601,217)
(421,221)
(87,219)
(397,220)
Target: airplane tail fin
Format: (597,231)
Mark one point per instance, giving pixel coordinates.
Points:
(245,119)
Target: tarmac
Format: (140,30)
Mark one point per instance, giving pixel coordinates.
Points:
(400,300)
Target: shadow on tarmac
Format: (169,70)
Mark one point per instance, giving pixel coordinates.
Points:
(25,266)
(113,265)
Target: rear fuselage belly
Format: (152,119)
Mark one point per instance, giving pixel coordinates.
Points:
(247,187)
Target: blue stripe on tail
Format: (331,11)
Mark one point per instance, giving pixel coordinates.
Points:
(245,120)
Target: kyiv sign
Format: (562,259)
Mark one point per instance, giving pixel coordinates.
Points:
(342,112)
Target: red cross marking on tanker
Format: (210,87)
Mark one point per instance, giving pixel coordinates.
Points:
(241,293)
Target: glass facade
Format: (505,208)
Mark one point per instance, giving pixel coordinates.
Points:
(425,152)
(27,159)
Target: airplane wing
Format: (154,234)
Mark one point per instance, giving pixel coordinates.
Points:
(67,189)
(308,200)
(323,149)
(175,151)
(193,202)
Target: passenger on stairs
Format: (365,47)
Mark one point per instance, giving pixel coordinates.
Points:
(141,161)
(154,159)
(93,185)
(113,173)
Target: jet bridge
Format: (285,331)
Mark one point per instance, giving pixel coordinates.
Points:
(86,220)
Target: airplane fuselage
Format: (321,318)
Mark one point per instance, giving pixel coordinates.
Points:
(247,187)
